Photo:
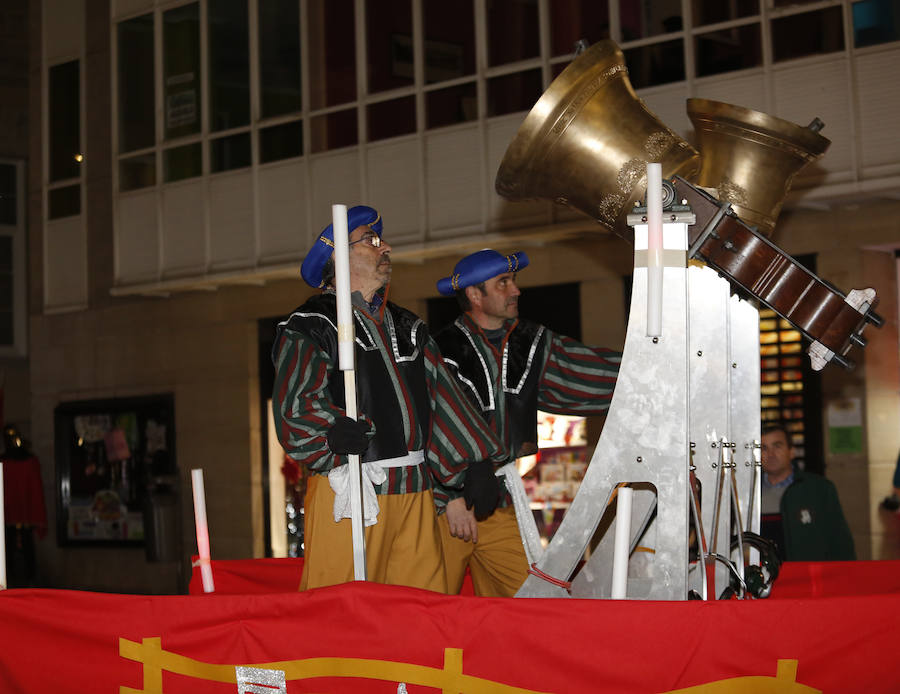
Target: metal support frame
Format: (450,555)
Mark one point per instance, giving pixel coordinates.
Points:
(688,399)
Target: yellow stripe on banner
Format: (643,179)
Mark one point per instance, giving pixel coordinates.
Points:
(784,682)
(449,680)
(670,257)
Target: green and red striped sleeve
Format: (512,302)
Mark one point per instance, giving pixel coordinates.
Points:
(577,379)
(301,406)
(459,436)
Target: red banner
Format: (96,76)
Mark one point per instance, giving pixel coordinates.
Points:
(363,637)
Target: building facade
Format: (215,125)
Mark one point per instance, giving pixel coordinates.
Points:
(181,157)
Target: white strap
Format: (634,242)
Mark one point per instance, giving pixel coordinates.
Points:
(373,472)
(531,540)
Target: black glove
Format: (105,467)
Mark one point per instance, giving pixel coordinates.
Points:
(348,436)
(481,490)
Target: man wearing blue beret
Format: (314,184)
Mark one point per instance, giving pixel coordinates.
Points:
(510,368)
(415,426)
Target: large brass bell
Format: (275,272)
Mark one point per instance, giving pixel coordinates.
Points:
(751,158)
(587,141)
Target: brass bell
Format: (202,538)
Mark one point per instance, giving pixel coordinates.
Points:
(750,158)
(587,141)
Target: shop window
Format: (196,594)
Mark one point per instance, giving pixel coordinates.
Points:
(181,71)
(810,33)
(229,64)
(389,45)
(875,21)
(790,391)
(730,49)
(573,20)
(449,40)
(135,84)
(513,33)
(279,57)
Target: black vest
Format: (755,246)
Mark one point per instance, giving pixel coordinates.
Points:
(404,335)
(521,365)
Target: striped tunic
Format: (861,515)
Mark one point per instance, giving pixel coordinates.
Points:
(535,369)
(404,390)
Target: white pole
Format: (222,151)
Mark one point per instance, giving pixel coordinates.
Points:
(202,530)
(2,535)
(654,250)
(622,546)
(347,364)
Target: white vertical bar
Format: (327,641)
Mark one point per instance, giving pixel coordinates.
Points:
(654,250)
(346,362)
(2,535)
(622,547)
(202,530)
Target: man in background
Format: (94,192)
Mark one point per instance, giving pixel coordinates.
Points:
(801,512)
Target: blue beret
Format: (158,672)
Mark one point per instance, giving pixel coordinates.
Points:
(318,255)
(480,266)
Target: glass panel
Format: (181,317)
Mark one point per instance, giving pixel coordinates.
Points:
(712,11)
(136,102)
(449,39)
(392,118)
(571,20)
(811,33)
(64,202)
(332,52)
(656,64)
(229,64)
(8,194)
(334,130)
(137,172)
(451,105)
(6,245)
(281,142)
(6,327)
(182,162)
(226,153)
(511,93)
(65,121)
(181,70)
(279,57)
(641,19)
(729,49)
(875,21)
(512,31)
(389,44)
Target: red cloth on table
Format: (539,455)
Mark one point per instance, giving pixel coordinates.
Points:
(23,493)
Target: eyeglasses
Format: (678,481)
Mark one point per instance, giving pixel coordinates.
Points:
(371,238)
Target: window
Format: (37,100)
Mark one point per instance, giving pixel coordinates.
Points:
(12,259)
(875,21)
(229,64)
(64,147)
(810,33)
(136,75)
(279,57)
(181,71)
(512,31)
